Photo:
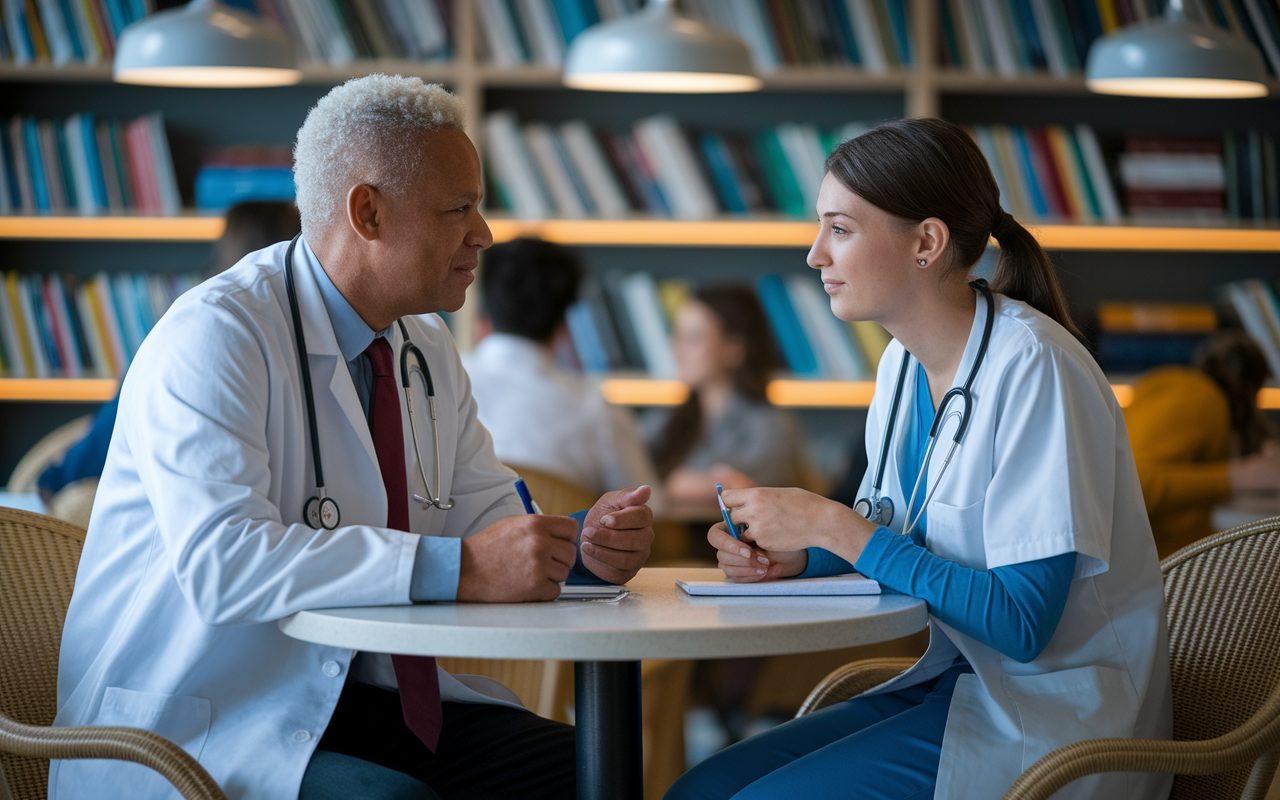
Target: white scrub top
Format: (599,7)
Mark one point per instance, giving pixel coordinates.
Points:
(1044,469)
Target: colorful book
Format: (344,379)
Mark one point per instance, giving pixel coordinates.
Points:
(786,326)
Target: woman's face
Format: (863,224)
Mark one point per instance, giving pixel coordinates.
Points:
(867,256)
(704,354)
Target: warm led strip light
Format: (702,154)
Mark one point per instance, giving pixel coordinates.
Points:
(187,228)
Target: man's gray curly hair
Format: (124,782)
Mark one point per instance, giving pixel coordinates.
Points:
(365,131)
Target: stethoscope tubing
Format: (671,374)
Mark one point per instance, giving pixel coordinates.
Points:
(303,366)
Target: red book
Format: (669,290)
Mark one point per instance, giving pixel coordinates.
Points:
(1047,174)
(55,325)
(1173,144)
(131,200)
(781,32)
(103,25)
(1174,198)
(140,163)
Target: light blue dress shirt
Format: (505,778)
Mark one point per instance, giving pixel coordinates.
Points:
(438,559)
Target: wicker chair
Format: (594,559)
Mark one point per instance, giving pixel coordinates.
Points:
(1223,598)
(51,448)
(38,558)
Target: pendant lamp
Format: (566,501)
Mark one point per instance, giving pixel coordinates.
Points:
(205,43)
(1175,57)
(657,50)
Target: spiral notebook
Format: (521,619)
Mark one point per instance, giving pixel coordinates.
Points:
(847,584)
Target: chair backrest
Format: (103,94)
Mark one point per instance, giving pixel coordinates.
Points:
(554,495)
(1223,597)
(38,558)
(51,448)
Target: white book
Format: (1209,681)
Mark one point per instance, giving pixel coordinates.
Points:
(18,45)
(607,195)
(85,199)
(314,42)
(836,353)
(1172,171)
(513,167)
(72,367)
(333,34)
(640,295)
(9,329)
(500,33)
(121,355)
(835,585)
(1051,38)
(999,36)
(55,32)
(28,313)
(127,304)
(555,173)
(1098,175)
(802,146)
(97,347)
(752,25)
(867,31)
(677,169)
(428,27)
(546,39)
(162,165)
(973,15)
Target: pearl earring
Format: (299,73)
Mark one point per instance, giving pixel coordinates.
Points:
(920,261)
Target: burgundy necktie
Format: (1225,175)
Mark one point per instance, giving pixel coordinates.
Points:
(416,675)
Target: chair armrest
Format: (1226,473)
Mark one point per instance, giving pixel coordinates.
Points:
(852,680)
(122,744)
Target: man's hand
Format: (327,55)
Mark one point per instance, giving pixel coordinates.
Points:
(617,534)
(518,559)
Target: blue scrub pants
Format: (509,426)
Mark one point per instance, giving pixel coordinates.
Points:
(883,747)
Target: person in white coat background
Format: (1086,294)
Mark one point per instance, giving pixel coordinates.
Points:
(1023,529)
(199,543)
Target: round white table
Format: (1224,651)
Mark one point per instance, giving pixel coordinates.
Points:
(607,640)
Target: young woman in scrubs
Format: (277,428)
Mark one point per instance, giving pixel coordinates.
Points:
(1032,548)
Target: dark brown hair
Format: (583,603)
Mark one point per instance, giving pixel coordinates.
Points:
(741,317)
(925,167)
(1235,362)
(253,225)
(528,284)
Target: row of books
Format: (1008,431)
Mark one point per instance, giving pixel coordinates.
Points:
(231,175)
(623,322)
(1254,302)
(570,170)
(872,34)
(1134,337)
(62,31)
(1201,177)
(61,326)
(87,166)
(1049,173)
(339,31)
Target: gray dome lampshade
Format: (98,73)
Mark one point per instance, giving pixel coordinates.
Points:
(1175,57)
(205,44)
(657,50)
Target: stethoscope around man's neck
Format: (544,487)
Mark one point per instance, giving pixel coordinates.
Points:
(879,509)
(320,510)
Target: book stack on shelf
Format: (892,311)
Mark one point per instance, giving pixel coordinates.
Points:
(1049,173)
(1201,177)
(1017,37)
(623,323)
(874,35)
(340,31)
(66,31)
(1134,337)
(87,166)
(1255,303)
(572,171)
(54,326)
(232,175)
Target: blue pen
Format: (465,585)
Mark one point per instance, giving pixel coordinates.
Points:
(724,510)
(530,507)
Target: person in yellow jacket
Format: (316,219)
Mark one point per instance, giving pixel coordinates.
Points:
(1198,437)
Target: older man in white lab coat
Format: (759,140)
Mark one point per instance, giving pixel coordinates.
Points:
(199,542)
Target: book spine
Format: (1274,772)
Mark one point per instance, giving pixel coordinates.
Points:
(786,326)
(641,297)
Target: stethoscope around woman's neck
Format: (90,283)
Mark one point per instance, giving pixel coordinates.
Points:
(320,510)
(879,509)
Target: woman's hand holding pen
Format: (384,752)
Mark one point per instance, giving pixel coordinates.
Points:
(779,524)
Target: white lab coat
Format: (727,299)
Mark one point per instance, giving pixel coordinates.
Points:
(1044,469)
(197,544)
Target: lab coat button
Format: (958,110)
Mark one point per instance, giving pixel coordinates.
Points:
(301,736)
(331,669)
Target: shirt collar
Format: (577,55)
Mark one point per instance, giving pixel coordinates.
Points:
(515,351)
(353,335)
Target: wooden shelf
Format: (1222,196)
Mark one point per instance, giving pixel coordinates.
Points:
(190,227)
(62,390)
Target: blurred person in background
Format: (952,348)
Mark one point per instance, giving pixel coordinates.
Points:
(726,430)
(539,415)
(250,226)
(1198,437)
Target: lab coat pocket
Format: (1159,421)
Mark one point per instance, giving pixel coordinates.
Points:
(955,533)
(1071,705)
(182,720)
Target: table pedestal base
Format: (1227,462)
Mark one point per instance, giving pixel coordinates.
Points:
(607,718)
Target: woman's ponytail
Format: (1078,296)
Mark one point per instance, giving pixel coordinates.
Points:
(1024,272)
(926,167)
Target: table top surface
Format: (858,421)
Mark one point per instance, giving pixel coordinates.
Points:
(657,620)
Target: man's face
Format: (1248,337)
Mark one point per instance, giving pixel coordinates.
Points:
(433,232)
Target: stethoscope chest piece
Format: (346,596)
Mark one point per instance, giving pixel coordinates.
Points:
(878,510)
(322,512)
